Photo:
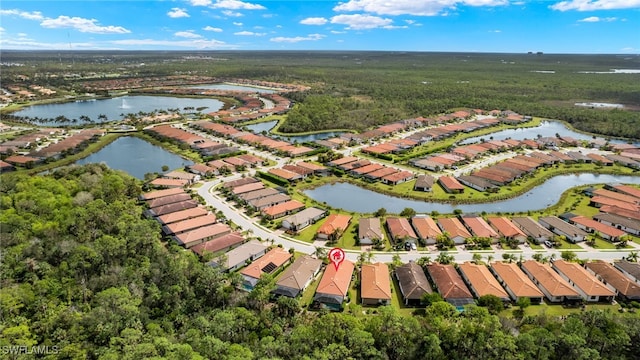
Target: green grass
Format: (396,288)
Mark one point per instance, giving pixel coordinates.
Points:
(310,291)
(566,245)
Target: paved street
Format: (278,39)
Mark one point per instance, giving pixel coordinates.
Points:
(246,223)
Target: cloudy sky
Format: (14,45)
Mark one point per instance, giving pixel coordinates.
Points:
(552,26)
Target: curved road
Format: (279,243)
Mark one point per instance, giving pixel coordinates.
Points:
(238,217)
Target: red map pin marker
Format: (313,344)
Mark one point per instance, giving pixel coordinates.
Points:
(336,256)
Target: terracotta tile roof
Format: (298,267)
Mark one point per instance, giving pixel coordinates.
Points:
(343,160)
(615,278)
(165,200)
(333,222)
(454,227)
(425,227)
(247,188)
(582,279)
(375,282)
(239,182)
(160,193)
(385,171)
(213,231)
(450,183)
(285,174)
(276,257)
(531,227)
(399,228)
(182,215)
(162,182)
(412,281)
(549,279)
(602,200)
(629,190)
(448,282)
(336,282)
(221,243)
(189,224)
(620,212)
(170,208)
(598,226)
(505,227)
(617,196)
(290,205)
(479,227)
(398,176)
(481,280)
(516,280)
(311,166)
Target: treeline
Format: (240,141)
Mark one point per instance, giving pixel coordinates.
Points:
(86,275)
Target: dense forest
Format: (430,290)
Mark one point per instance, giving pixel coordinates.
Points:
(357,90)
(85,274)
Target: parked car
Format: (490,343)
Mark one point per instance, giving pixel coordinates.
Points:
(413,246)
(548,244)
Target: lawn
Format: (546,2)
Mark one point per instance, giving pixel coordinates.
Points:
(310,291)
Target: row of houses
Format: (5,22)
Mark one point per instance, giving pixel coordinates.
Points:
(187,223)
(252,108)
(619,212)
(299,171)
(198,143)
(562,282)
(71,143)
(226,165)
(363,168)
(259,141)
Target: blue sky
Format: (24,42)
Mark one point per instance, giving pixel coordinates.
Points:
(552,26)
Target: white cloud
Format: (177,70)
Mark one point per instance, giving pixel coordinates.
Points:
(230,13)
(310,37)
(314,21)
(33,15)
(200,2)
(211,28)
(361,22)
(411,7)
(249,33)
(598,19)
(410,22)
(189,34)
(28,44)
(82,25)
(338,32)
(178,13)
(495,31)
(237,23)
(236,5)
(198,44)
(2,30)
(590,5)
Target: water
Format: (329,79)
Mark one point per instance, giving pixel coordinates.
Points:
(232,88)
(114,108)
(546,129)
(135,157)
(353,198)
(268,125)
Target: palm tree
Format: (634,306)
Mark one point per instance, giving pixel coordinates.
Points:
(633,256)
(477,258)
(320,253)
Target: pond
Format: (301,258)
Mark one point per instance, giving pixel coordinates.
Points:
(268,125)
(232,87)
(353,198)
(113,108)
(546,129)
(135,157)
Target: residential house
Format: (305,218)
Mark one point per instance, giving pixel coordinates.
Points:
(587,285)
(369,230)
(481,282)
(316,169)
(285,174)
(423,183)
(202,234)
(450,285)
(605,231)
(334,225)
(516,283)
(426,229)
(533,229)
(631,226)
(239,256)
(554,287)
(457,232)
(333,288)
(219,244)
(375,285)
(182,215)
(400,230)
(562,228)
(160,193)
(629,269)
(258,194)
(302,219)
(283,209)
(270,263)
(247,188)
(413,283)
(169,208)
(269,201)
(624,288)
(450,184)
(476,182)
(506,229)
(480,228)
(166,200)
(397,177)
(188,224)
(298,276)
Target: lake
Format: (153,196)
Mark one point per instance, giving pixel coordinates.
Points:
(268,125)
(353,198)
(232,88)
(546,129)
(114,108)
(135,157)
